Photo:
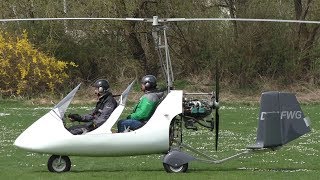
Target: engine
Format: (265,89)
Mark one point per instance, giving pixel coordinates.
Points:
(197,109)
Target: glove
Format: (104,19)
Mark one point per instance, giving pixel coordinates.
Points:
(90,126)
(75,117)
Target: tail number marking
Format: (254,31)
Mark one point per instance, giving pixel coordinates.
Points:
(291,115)
(284,115)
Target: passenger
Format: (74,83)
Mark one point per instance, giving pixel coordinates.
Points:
(146,106)
(104,107)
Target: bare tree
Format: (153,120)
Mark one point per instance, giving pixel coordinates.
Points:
(305,34)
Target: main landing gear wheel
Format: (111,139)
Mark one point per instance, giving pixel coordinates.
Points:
(59,164)
(171,169)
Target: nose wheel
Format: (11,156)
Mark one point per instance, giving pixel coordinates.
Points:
(59,164)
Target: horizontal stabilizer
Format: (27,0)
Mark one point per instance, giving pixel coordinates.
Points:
(281,120)
(255,146)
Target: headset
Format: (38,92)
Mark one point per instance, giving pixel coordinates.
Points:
(101,89)
(147,84)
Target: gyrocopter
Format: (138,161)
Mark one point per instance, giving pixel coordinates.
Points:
(281,119)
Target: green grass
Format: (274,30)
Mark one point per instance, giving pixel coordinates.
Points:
(297,160)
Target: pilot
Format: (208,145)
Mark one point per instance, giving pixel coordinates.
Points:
(104,107)
(146,106)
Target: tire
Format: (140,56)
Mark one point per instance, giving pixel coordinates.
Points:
(170,169)
(59,164)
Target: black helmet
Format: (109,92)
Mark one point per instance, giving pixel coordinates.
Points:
(102,85)
(149,81)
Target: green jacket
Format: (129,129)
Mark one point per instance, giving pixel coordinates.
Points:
(146,106)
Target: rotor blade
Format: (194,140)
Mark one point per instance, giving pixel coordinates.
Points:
(237,19)
(155,19)
(84,18)
(217,102)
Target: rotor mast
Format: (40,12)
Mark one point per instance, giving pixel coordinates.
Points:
(161,42)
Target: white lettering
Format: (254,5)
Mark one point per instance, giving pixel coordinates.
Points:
(283,114)
(291,115)
(299,115)
(262,115)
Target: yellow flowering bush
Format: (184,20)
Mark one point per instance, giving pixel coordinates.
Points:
(24,70)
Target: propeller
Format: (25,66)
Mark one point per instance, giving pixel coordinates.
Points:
(216,105)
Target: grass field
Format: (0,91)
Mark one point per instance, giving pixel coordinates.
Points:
(297,160)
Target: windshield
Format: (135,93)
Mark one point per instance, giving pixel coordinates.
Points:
(62,106)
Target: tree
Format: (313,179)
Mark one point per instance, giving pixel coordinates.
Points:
(305,34)
(25,71)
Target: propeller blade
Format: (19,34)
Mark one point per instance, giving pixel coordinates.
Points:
(217,104)
(217,82)
(217,128)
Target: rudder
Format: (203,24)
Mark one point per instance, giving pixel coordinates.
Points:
(281,120)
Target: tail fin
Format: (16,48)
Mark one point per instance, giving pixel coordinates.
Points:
(281,120)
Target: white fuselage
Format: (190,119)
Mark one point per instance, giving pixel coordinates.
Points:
(48,134)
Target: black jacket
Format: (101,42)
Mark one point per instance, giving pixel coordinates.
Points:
(102,111)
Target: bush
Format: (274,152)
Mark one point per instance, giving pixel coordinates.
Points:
(24,70)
